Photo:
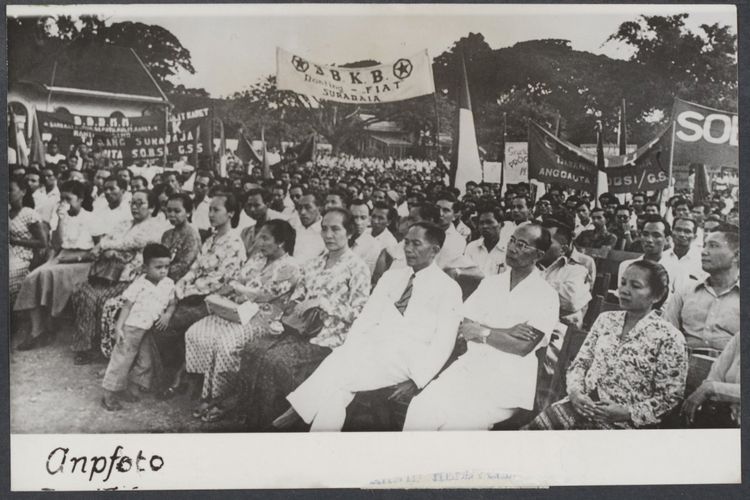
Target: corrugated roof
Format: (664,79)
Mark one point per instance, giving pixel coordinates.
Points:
(91,67)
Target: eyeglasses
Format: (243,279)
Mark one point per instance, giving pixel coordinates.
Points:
(138,203)
(520,244)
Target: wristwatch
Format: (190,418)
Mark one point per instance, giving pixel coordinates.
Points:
(485,333)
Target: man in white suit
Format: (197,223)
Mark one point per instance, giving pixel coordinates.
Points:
(507,318)
(404,335)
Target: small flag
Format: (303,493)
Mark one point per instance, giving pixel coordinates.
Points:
(245,151)
(601,175)
(701,186)
(465,162)
(265,163)
(622,130)
(38,151)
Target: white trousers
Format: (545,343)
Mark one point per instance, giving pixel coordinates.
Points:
(458,400)
(321,400)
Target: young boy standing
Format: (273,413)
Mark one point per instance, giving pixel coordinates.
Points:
(148,302)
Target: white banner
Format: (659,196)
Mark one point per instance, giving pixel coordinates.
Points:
(405,78)
(516,168)
(493,172)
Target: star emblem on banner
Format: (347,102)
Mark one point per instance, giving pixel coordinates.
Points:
(402,68)
(300,64)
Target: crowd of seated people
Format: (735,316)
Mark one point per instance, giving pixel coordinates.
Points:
(367,275)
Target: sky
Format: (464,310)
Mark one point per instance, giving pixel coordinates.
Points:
(233,46)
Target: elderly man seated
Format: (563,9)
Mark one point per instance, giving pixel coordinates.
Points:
(404,335)
(506,320)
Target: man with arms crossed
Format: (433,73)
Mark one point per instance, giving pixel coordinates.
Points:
(506,319)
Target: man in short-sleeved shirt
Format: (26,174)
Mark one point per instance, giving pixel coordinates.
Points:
(708,311)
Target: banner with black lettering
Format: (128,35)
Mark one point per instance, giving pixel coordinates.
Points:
(404,78)
(125,139)
(705,135)
(646,169)
(190,132)
(556,161)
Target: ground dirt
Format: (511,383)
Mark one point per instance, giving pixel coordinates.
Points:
(49,394)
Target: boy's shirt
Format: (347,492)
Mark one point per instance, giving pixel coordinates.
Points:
(149,301)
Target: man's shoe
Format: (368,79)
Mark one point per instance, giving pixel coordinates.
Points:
(28,343)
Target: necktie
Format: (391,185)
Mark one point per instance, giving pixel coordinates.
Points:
(406,296)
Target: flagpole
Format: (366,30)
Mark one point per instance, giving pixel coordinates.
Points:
(437,126)
(166,132)
(505,141)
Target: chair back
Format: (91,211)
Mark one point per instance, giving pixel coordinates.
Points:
(572,343)
(594,308)
(601,284)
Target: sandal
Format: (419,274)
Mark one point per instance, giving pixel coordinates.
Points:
(201,410)
(114,406)
(81,358)
(215,414)
(172,391)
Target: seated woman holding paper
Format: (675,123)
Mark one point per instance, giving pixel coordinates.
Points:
(716,402)
(331,292)
(47,289)
(213,344)
(631,368)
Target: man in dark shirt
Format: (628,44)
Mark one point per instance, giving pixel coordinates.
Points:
(599,237)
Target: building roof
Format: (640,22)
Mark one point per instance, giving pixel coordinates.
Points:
(389,140)
(94,69)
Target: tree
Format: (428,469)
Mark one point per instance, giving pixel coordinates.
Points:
(287,115)
(32,38)
(697,66)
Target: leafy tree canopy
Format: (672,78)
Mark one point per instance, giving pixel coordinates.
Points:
(30,38)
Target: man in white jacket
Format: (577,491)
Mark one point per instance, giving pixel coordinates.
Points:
(404,335)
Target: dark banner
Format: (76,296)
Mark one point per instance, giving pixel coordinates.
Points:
(125,139)
(705,135)
(555,161)
(190,132)
(646,169)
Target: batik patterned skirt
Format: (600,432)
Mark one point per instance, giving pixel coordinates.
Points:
(213,347)
(562,416)
(270,369)
(88,306)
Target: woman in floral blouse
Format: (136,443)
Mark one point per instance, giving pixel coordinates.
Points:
(218,263)
(26,234)
(89,299)
(632,367)
(213,344)
(338,282)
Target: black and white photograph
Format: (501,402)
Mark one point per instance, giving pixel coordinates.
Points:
(255,232)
